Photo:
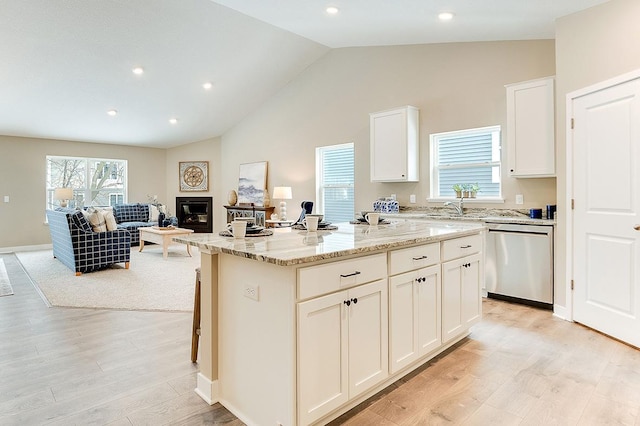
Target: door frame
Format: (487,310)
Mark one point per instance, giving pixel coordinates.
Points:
(568,214)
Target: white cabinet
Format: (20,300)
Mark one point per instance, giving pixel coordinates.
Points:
(394,145)
(414,315)
(461,300)
(531,128)
(342,347)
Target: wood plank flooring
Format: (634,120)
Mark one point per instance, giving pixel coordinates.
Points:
(520,366)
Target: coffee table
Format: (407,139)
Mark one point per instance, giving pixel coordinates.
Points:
(164,236)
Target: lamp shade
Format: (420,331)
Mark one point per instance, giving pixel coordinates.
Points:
(282,193)
(63,194)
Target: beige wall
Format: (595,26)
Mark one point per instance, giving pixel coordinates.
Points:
(591,46)
(455,86)
(207,150)
(23,179)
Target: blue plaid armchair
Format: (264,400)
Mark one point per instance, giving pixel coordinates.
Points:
(81,249)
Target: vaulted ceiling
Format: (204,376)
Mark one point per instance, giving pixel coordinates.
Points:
(66,63)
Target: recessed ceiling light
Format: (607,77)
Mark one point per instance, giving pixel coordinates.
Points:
(138,70)
(332,10)
(112,112)
(445,16)
(173,120)
(208,85)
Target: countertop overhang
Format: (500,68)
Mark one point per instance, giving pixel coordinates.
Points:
(288,247)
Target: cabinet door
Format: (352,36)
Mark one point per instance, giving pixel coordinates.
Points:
(394,145)
(531,129)
(471,296)
(429,294)
(461,302)
(414,323)
(403,327)
(322,356)
(368,336)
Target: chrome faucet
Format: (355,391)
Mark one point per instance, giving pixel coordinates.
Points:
(458,207)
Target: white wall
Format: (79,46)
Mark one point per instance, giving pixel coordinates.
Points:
(591,46)
(455,86)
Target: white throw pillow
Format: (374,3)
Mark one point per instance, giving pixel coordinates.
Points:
(153,213)
(96,219)
(110,219)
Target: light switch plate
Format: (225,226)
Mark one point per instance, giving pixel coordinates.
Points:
(6,198)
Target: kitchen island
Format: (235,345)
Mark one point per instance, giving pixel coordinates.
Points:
(297,328)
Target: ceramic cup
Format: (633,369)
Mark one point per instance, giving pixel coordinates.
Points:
(248,220)
(372,218)
(311,222)
(239,228)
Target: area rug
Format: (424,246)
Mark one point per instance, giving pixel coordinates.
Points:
(5,284)
(150,283)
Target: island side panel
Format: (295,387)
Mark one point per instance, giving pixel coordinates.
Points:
(257,340)
(207,379)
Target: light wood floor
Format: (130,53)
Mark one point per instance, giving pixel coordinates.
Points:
(520,366)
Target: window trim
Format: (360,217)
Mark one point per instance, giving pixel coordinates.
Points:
(50,202)
(433,158)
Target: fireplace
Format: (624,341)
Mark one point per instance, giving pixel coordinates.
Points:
(195,213)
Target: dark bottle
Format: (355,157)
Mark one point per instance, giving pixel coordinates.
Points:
(160,220)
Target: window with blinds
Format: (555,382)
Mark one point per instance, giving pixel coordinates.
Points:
(335,182)
(466,157)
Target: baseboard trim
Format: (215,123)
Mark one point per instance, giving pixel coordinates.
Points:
(4,250)
(207,389)
(560,312)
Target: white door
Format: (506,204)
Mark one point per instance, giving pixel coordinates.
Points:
(606,193)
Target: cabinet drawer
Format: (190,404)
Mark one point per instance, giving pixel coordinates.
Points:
(323,279)
(408,259)
(458,247)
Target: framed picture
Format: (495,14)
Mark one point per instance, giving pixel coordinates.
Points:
(252,183)
(194,175)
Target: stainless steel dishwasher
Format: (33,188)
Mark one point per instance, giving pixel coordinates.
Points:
(519,263)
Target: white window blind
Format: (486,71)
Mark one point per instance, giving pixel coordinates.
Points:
(466,157)
(335,182)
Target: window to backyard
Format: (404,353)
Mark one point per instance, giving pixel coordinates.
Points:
(335,182)
(468,158)
(95,181)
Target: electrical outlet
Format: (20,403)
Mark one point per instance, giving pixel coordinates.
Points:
(412,198)
(519,199)
(251,291)
(6,198)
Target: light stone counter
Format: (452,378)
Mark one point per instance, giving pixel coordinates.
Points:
(287,247)
(434,214)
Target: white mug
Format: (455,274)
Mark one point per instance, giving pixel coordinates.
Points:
(311,223)
(372,218)
(239,228)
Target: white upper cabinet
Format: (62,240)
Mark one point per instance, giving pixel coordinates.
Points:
(531,128)
(394,145)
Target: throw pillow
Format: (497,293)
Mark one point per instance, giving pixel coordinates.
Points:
(109,219)
(96,219)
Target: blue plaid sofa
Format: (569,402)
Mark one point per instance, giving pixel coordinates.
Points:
(81,249)
(131,217)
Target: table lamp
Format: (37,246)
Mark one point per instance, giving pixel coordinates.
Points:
(282,193)
(63,195)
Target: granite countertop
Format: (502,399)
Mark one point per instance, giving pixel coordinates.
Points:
(287,247)
(514,216)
